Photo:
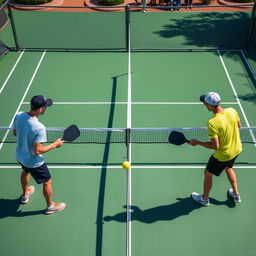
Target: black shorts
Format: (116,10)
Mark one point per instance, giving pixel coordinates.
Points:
(216,167)
(41,173)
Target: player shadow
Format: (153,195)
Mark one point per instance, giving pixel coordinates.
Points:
(10,208)
(183,207)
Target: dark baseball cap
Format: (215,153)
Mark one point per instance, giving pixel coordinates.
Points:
(40,101)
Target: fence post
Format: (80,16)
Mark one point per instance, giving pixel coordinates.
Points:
(13,27)
(127,27)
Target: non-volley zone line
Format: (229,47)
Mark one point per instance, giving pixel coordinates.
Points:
(134,103)
(132,167)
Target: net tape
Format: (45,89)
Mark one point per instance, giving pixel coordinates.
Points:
(125,135)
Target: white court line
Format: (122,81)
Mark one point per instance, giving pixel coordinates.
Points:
(134,166)
(177,103)
(133,103)
(8,77)
(25,93)
(129,173)
(236,96)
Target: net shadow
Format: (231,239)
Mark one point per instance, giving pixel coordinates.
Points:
(103,176)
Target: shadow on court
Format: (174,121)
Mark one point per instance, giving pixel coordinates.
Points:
(183,206)
(251,97)
(208,29)
(103,176)
(10,208)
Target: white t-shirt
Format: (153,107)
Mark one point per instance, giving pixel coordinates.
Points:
(29,130)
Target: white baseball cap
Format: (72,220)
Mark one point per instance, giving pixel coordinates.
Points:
(212,98)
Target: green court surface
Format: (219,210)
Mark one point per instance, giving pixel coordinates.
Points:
(92,90)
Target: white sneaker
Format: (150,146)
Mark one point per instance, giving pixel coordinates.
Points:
(56,207)
(199,198)
(29,192)
(237,198)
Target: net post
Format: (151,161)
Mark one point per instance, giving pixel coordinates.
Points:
(128,142)
(13,27)
(127,23)
(251,26)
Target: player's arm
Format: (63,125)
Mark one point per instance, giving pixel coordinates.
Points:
(14,132)
(239,124)
(41,149)
(213,144)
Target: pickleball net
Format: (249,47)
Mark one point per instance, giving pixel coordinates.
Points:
(126,135)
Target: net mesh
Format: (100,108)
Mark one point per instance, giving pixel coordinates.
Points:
(124,135)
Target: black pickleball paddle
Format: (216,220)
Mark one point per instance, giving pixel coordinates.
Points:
(71,133)
(177,138)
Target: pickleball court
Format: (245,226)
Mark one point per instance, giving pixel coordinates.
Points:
(117,83)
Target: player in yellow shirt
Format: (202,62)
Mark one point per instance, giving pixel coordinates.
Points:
(223,130)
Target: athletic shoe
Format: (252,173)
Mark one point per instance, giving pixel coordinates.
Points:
(29,192)
(237,198)
(199,198)
(56,207)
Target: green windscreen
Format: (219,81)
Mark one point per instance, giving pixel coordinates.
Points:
(186,30)
(70,30)
(6,33)
(194,29)
(252,38)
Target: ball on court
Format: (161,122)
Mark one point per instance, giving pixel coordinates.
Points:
(126,165)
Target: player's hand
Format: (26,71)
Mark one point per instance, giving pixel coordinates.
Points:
(58,143)
(193,142)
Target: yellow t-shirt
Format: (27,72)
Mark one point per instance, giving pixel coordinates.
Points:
(224,125)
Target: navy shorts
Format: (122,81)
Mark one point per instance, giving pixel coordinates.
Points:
(41,173)
(216,167)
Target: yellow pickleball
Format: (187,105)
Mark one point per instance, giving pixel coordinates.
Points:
(126,165)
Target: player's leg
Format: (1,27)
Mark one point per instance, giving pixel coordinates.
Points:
(42,176)
(52,207)
(232,179)
(47,192)
(233,192)
(27,190)
(207,184)
(204,198)
(24,179)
